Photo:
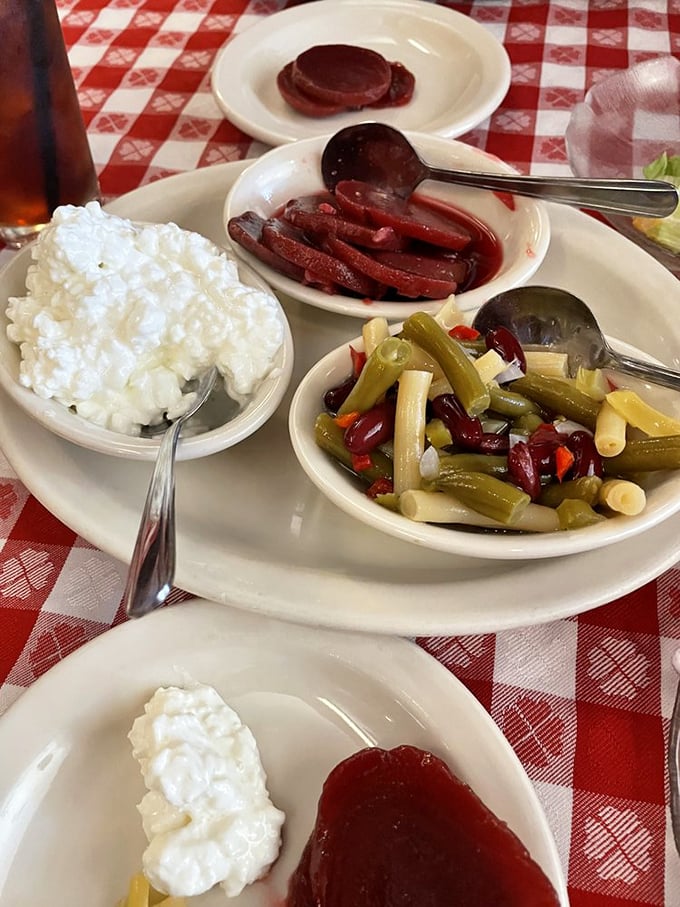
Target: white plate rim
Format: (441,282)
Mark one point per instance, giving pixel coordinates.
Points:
(231,65)
(377,603)
(51,706)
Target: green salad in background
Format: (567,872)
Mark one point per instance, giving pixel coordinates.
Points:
(663,230)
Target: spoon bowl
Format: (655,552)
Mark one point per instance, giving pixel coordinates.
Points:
(548,316)
(382,156)
(152,568)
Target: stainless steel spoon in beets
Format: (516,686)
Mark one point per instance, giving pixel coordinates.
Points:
(382,156)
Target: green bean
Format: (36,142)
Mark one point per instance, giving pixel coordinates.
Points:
(526,424)
(389,500)
(329,437)
(574,514)
(490,464)
(438,434)
(645,455)
(461,374)
(382,368)
(488,495)
(510,403)
(560,396)
(585,489)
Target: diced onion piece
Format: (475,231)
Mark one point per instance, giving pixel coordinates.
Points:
(429,463)
(610,431)
(437,507)
(512,371)
(494,426)
(449,315)
(641,415)
(374,331)
(515,438)
(567,426)
(490,364)
(547,362)
(409,429)
(622,496)
(592,381)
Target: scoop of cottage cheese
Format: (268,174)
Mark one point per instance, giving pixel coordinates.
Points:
(207,814)
(118,316)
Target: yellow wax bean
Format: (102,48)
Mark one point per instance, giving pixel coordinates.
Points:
(641,415)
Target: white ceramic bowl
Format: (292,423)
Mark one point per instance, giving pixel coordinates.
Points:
(624,123)
(341,487)
(294,170)
(217,425)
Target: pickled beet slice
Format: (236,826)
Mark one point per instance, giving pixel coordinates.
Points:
(409,217)
(318,216)
(298,100)
(246,230)
(290,243)
(434,266)
(401,88)
(406,284)
(342,74)
(397,827)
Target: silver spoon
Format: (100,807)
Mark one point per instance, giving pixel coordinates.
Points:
(547,316)
(674,758)
(152,568)
(383,156)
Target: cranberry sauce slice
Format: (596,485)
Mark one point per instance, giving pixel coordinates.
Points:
(396,828)
(299,100)
(246,230)
(401,88)
(318,215)
(342,74)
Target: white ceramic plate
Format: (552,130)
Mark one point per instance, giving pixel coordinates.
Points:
(462,72)
(254,531)
(311,698)
(226,426)
(348,493)
(294,170)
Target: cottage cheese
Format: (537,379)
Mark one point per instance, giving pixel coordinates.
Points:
(207,814)
(118,317)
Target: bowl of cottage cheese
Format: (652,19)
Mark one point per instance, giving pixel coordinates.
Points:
(106,322)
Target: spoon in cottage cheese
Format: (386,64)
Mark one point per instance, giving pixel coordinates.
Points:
(674,757)
(152,568)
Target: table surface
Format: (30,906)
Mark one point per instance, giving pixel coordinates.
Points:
(591,735)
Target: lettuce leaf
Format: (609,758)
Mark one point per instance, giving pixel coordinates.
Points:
(663,230)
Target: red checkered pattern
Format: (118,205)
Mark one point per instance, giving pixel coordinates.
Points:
(585,702)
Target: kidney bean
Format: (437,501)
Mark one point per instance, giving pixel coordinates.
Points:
(522,469)
(336,396)
(543,442)
(587,461)
(506,345)
(494,443)
(465,430)
(371,429)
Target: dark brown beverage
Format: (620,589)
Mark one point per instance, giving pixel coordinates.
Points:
(45,158)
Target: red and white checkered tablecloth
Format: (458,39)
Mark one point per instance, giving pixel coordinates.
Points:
(585,702)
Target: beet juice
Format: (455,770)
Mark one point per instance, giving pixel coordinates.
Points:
(45,158)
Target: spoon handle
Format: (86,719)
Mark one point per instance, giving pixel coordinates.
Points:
(153,563)
(651,198)
(674,768)
(657,374)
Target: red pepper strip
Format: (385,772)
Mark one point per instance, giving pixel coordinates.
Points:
(380,486)
(463,332)
(358,361)
(564,460)
(360,462)
(346,420)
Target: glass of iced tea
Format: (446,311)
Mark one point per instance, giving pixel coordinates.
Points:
(45,159)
